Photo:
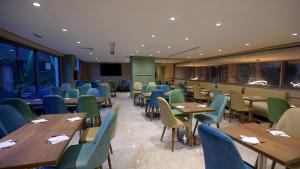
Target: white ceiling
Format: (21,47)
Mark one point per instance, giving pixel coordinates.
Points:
(130,23)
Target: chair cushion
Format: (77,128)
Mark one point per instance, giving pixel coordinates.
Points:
(206,118)
(260,108)
(265,93)
(88,135)
(178,113)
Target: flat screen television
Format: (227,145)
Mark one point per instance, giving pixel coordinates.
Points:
(111,69)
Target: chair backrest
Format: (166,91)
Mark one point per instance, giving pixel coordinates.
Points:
(65,87)
(117,110)
(87,85)
(276,108)
(28,92)
(165,88)
(144,87)
(89,105)
(138,86)
(216,92)
(176,96)
(21,107)
(107,85)
(102,91)
(95,83)
(167,117)
(107,90)
(10,120)
(181,86)
(219,104)
(55,90)
(197,92)
(152,84)
(219,150)
(236,101)
(153,99)
(84,88)
(44,92)
(150,88)
(54,104)
(112,84)
(73,93)
(79,83)
(93,92)
(290,122)
(124,83)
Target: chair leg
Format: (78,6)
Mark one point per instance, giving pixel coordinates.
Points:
(195,128)
(188,134)
(109,162)
(110,148)
(273,164)
(151,113)
(163,133)
(271,124)
(218,125)
(230,115)
(173,132)
(110,105)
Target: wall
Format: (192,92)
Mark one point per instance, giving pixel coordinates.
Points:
(164,72)
(142,69)
(67,69)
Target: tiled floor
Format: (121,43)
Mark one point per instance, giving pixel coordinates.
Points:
(137,143)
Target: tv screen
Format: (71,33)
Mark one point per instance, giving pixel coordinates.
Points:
(110,69)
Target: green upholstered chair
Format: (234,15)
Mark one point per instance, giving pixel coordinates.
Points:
(20,106)
(108,94)
(237,104)
(276,108)
(57,91)
(176,96)
(89,105)
(72,93)
(150,88)
(90,155)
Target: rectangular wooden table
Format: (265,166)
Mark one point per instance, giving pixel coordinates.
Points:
(68,101)
(148,95)
(284,150)
(32,148)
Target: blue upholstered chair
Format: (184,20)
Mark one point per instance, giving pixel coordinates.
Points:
(95,83)
(65,87)
(124,85)
(165,88)
(44,92)
(90,155)
(55,90)
(219,150)
(79,83)
(218,104)
(105,92)
(84,88)
(54,104)
(10,120)
(153,103)
(93,92)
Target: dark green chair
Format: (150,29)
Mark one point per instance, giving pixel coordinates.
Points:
(89,105)
(72,93)
(276,108)
(57,91)
(177,96)
(20,106)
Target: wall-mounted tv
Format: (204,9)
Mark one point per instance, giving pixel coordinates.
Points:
(111,69)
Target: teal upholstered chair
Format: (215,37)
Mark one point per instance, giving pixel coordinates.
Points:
(276,108)
(57,91)
(72,93)
(176,96)
(90,155)
(215,117)
(89,105)
(150,88)
(21,107)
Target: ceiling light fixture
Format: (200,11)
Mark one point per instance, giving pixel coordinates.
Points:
(220,50)
(247,44)
(64,30)
(201,54)
(142,45)
(90,53)
(218,24)
(11,50)
(96,58)
(169,47)
(172,18)
(158,52)
(295,34)
(153,36)
(137,51)
(150,55)
(186,38)
(36,4)
(78,42)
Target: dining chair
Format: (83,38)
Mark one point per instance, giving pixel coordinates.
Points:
(169,120)
(152,84)
(218,104)
(95,83)
(289,123)
(21,107)
(44,92)
(276,108)
(150,88)
(216,92)
(10,120)
(198,95)
(83,89)
(73,93)
(108,94)
(124,85)
(79,83)
(89,105)
(65,87)
(153,104)
(55,90)
(89,134)
(219,150)
(177,96)
(187,94)
(54,104)
(141,96)
(165,88)
(237,104)
(137,86)
(90,155)
(93,92)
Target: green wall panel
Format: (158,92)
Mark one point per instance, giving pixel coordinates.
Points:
(142,69)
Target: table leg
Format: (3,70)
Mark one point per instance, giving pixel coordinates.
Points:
(183,138)
(262,162)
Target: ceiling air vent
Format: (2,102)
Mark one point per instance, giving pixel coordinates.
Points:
(86,48)
(112,48)
(37,35)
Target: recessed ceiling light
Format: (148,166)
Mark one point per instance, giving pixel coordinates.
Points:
(36,4)
(11,50)
(153,36)
(218,24)
(186,38)
(78,42)
(295,34)
(158,52)
(90,53)
(201,54)
(142,45)
(188,57)
(220,50)
(247,44)
(64,30)
(137,51)
(172,18)
(169,47)
(96,58)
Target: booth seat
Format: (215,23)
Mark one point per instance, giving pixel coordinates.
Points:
(208,86)
(225,88)
(261,108)
(177,81)
(191,83)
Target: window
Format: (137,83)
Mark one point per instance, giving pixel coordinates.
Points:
(224,73)
(269,72)
(207,74)
(214,74)
(247,73)
(292,74)
(48,70)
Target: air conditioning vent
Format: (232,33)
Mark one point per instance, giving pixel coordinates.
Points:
(37,35)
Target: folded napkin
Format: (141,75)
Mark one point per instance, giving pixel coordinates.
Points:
(251,140)
(278,133)
(180,107)
(39,121)
(58,139)
(7,143)
(202,105)
(74,119)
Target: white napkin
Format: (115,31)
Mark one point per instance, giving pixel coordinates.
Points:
(39,121)
(67,98)
(202,105)
(180,107)
(278,133)
(74,119)
(58,139)
(7,143)
(251,140)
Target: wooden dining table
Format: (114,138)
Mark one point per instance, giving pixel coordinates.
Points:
(32,148)
(148,95)
(283,150)
(68,101)
(190,108)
